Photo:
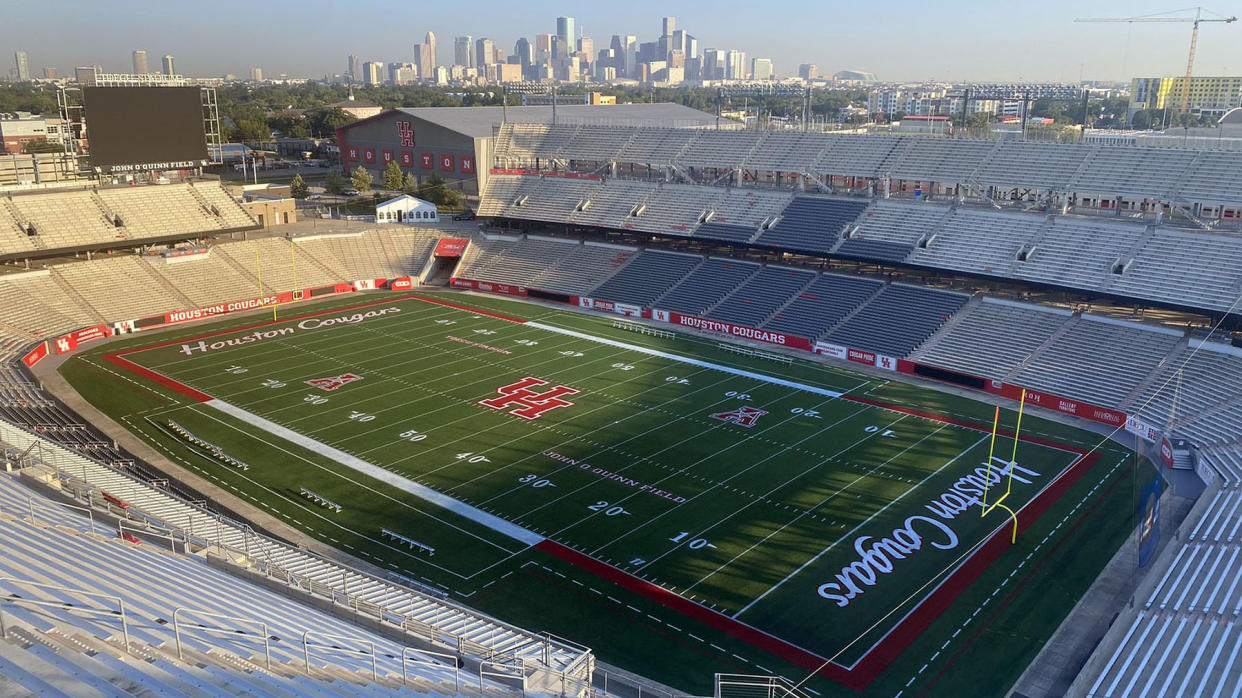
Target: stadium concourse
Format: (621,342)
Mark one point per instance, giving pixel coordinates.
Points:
(839,276)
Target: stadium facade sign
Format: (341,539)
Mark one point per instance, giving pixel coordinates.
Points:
(36,355)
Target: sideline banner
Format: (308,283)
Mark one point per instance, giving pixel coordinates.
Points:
(69,342)
(504,289)
(771,337)
(36,355)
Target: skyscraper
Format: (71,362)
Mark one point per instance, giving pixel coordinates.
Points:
(525,52)
(484,51)
(140,63)
(669,26)
(355,69)
(462,53)
(565,30)
(425,57)
(168,65)
(373,72)
(84,74)
(23,66)
(761,69)
(49,73)
(735,65)
(543,48)
(256,74)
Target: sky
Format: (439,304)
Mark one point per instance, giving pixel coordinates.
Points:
(951,40)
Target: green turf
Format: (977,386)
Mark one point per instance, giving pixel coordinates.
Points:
(770,513)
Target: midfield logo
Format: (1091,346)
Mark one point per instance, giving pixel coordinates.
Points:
(742,416)
(333,382)
(530,404)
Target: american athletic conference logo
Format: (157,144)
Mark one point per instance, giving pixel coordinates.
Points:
(529,404)
(742,416)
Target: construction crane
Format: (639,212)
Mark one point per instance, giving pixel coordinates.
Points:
(1194,38)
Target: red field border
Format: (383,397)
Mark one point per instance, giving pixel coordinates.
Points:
(875,660)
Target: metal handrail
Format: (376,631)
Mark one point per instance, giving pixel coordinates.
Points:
(452,660)
(267,638)
(344,650)
(65,605)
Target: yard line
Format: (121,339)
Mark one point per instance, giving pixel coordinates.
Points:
(731,446)
(422,492)
(687,360)
(860,525)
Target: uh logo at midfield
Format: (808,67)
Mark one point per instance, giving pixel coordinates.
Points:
(527,403)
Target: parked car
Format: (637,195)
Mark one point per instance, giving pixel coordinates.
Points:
(351,192)
(465,216)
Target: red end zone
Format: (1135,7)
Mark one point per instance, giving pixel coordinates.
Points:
(875,661)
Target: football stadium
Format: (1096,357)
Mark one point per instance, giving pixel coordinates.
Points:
(687,411)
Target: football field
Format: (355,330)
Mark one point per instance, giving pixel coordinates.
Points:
(790,508)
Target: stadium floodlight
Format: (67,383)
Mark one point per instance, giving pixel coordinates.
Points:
(525,88)
(766,89)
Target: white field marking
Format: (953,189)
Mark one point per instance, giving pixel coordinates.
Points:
(721,483)
(687,360)
(295,502)
(860,525)
(535,453)
(422,492)
(342,360)
(829,498)
(703,532)
(225,333)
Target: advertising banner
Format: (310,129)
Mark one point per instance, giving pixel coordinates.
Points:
(1149,521)
(69,342)
(403,283)
(488,287)
(36,355)
(836,351)
(451,247)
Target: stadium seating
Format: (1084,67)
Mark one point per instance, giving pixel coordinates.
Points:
(992,338)
(70,219)
(1191,269)
(896,320)
(941,160)
(811,224)
(1019,164)
(658,146)
(585,267)
(647,277)
(724,150)
(1079,254)
(900,222)
(519,264)
(822,304)
(787,151)
(980,242)
(754,301)
(121,288)
(864,156)
(704,287)
(1121,355)
(748,207)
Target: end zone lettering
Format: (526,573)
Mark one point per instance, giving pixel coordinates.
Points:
(201,346)
(307,324)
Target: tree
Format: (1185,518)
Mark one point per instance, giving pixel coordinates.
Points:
(432,189)
(393,177)
(325,122)
(333,183)
(42,145)
(361,179)
(408,185)
(298,188)
(451,198)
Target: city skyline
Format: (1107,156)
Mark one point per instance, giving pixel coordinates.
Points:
(909,42)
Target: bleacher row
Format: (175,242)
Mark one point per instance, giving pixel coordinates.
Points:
(67,219)
(1199,269)
(1158,173)
(228,626)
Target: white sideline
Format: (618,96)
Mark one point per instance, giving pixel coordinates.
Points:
(422,492)
(687,360)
